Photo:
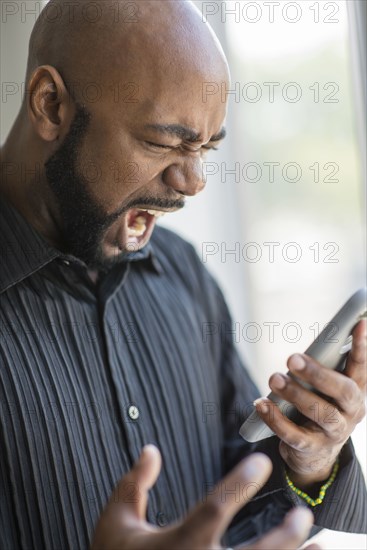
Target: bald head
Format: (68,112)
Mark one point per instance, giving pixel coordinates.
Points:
(101,40)
(117,117)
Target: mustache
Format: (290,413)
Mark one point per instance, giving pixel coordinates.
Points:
(153,202)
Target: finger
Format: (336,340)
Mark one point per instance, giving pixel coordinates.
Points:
(311,405)
(131,493)
(356,362)
(341,388)
(290,535)
(297,437)
(211,518)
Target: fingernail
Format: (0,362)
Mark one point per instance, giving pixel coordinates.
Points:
(257,401)
(278,381)
(150,448)
(256,465)
(297,362)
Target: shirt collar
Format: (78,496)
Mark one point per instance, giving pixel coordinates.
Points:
(23,251)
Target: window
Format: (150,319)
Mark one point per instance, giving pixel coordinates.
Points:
(282,220)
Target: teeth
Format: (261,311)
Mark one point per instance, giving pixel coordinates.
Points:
(156,213)
(139,226)
(136,231)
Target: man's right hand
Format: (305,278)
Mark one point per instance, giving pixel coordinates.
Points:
(122,525)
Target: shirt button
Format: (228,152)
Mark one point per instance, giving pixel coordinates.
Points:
(161,519)
(133,412)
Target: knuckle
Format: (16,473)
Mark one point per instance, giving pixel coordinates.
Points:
(319,376)
(338,428)
(350,390)
(300,444)
(297,441)
(303,446)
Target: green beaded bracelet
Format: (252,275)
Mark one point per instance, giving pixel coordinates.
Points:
(320,498)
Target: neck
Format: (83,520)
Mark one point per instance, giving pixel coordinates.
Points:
(22,182)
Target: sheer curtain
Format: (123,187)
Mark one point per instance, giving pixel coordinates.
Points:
(298,122)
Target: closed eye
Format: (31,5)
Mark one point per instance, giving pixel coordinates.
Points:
(159,145)
(169,147)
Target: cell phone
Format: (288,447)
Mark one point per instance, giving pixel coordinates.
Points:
(330,349)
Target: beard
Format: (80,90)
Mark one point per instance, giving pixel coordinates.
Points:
(83,221)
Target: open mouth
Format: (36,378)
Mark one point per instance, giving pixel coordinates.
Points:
(141,221)
(132,232)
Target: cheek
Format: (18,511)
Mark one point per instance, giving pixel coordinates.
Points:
(112,171)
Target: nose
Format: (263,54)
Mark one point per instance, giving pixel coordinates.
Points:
(186,177)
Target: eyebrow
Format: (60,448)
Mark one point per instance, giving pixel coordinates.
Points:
(183,132)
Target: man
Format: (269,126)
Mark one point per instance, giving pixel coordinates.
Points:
(101,349)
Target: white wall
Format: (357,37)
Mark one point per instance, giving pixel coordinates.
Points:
(17,20)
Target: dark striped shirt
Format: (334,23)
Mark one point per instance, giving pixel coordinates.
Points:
(90,373)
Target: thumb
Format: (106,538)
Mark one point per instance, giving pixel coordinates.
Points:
(132,490)
(212,517)
(126,510)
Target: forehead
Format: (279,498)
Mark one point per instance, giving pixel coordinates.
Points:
(189,119)
(149,100)
(160,70)
(162,75)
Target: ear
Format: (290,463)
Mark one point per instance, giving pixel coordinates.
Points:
(50,105)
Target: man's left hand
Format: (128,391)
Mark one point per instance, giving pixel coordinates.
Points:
(311,450)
